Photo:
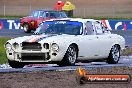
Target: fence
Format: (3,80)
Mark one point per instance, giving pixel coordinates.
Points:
(99,11)
(84,8)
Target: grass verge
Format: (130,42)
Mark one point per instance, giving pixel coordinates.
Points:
(88,17)
(127,51)
(104,17)
(3,58)
(10,17)
(108,18)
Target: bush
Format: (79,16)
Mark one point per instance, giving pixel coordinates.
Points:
(3,58)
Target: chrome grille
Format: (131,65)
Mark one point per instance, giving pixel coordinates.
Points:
(31,46)
(35,56)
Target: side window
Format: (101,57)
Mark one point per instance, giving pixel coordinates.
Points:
(44,15)
(47,15)
(52,15)
(98,28)
(89,29)
(105,30)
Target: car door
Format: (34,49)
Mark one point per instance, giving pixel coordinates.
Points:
(88,43)
(104,40)
(47,15)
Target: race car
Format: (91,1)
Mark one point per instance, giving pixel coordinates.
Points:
(65,42)
(31,22)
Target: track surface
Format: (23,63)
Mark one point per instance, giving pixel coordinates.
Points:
(124,61)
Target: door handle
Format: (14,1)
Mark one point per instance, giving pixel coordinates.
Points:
(109,36)
(89,39)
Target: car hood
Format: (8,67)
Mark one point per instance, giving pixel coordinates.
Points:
(42,38)
(32,18)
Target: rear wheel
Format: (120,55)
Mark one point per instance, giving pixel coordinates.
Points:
(70,56)
(26,28)
(15,64)
(114,55)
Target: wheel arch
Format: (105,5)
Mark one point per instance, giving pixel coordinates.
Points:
(114,45)
(76,46)
(65,61)
(110,47)
(25,22)
(110,59)
(117,45)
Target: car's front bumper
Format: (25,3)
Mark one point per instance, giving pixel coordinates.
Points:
(33,56)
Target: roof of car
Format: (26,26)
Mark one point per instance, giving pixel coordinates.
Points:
(72,19)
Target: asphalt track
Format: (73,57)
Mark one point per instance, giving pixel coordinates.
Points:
(124,61)
(13,33)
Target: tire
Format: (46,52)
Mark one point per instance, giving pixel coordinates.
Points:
(114,55)
(26,28)
(15,64)
(70,57)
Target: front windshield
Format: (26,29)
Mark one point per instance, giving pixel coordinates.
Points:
(48,14)
(61,15)
(60,27)
(37,14)
(56,14)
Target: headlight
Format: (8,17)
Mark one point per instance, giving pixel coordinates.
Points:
(46,45)
(8,46)
(55,47)
(32,22)
(16,45)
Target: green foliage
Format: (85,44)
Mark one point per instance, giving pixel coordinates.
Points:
(127,51)
(104,18)
(109,18)
(3,58)
(10,17)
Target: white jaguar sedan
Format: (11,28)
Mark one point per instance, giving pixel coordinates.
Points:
(65,42)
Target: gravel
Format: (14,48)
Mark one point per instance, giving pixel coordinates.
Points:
(59,79)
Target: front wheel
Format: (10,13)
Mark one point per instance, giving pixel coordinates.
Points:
(114,55)
(70,57)
(15,64)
